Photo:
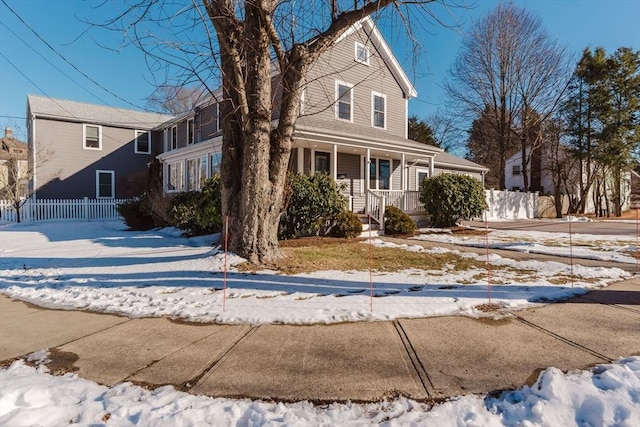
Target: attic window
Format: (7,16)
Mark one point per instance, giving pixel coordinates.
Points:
(362,53)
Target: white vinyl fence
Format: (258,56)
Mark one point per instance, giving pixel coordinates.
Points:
(61,209)
(504,204)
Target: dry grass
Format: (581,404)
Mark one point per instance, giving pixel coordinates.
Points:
(319,254)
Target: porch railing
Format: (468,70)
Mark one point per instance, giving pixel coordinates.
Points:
(375,206)
(408,201)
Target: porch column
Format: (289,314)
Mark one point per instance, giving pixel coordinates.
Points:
(334,163)
(432,166)
(300,165)
(403,173)
(367,170)
(367,176)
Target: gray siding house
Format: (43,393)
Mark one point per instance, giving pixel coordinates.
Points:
(86,150)
(352,125)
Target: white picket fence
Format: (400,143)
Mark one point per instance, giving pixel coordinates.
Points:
(61,209)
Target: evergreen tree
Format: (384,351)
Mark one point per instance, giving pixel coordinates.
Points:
(420,131)
(603,118)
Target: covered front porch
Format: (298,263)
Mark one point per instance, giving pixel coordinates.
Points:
(372,177)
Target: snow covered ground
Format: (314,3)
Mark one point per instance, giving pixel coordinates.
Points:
(608,395)
(98,266)
(587,246)
(101,267)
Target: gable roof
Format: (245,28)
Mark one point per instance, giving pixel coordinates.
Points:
(385,51)
(72,111)
(448,159)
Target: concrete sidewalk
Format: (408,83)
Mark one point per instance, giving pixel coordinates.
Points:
(427,358)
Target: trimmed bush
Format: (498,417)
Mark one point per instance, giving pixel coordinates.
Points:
(136,215)
(347,224)
(311,202)
(199,212)
(397,222)
(450,197)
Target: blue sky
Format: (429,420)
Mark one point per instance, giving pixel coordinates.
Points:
(27,65)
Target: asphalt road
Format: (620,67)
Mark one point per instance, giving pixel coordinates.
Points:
(616,228)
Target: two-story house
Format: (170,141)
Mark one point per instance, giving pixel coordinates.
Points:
(86,150)
(353,125)
(14,168)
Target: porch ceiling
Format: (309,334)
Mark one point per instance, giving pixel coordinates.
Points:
(359,147)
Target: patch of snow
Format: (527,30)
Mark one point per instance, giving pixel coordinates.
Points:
(102,268)
(606,395)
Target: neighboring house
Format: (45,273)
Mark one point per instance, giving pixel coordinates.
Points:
(14,168)
(538,173)
(85,150)
(353,125)
(541,179)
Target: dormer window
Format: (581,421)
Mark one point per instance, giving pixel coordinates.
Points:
(362,53)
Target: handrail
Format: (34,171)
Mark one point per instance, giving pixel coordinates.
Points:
(376,204)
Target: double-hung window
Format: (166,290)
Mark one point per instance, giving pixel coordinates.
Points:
(344,101)
(515,170)
(190,131)
(378,110)
(174,137)
(92,137)
(174,177)
(142,143)
(105,184)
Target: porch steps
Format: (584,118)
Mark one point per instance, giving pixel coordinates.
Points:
(375,227)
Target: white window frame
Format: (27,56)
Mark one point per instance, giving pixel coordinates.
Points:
(173,138)
(516,170)
(418,172)
(303,96)
(218,118)
(178,168)
(191,131)
(84,137)
(337,103)
(373,110)
(113,184)
(137,133)
(215,163)
(359,45)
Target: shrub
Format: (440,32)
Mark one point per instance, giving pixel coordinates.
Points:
(311,202)
(397,222)
(347,224)
(449,197)
(199,212)
(136,215)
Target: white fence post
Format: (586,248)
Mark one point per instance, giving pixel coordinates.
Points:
(86,208)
